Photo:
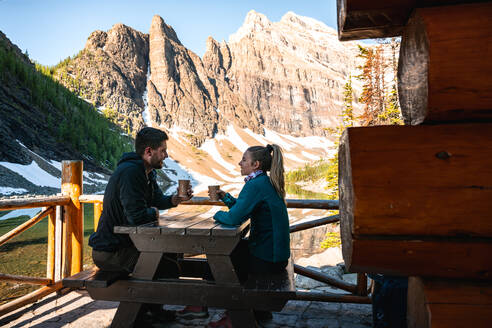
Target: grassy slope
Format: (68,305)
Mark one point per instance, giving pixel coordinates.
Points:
(26,253)
(320,170)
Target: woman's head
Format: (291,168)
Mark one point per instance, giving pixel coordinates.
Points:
(267,158)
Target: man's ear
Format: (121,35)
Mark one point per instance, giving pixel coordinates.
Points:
(148,151)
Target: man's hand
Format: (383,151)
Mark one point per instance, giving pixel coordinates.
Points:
(156,212)
(175,199)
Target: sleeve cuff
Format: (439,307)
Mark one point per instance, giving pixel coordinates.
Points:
(152,212)
(229,200)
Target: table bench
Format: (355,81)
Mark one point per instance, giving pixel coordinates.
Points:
(186,233)
(92,278)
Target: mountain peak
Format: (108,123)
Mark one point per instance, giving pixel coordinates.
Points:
(255,18)
(119,26)
(308,23)
(158,25)
(254,22)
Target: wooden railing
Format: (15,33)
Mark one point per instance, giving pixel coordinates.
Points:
(65,235)
(65,239)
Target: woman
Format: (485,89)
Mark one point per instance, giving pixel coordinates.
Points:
(262,200)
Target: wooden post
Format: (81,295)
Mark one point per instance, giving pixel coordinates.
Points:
(50,261)
(58,243)
(97,214)
(74,223)
(361,284)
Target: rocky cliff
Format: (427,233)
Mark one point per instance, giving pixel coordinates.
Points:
(290,72)
(111,72)
(286,76)
(184,92)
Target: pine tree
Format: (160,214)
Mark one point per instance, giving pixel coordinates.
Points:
(372,77)
(348,109)
(392,112)
(381,105)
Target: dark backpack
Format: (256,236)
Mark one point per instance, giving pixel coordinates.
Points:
(389,301)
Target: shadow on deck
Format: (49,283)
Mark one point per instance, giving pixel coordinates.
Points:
(77,309)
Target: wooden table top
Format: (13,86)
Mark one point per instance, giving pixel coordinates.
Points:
(184,224)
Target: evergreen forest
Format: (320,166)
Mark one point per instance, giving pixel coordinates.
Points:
(68,118)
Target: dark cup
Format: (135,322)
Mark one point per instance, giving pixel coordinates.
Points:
(212,190)
(183,188)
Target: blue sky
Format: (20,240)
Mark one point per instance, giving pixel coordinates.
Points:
(51,30)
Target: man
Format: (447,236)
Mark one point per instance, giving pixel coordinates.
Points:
(132,197)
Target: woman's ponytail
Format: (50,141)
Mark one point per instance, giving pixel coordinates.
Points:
(271,159)
(277,170)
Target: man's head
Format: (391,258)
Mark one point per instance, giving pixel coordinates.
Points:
(151,145)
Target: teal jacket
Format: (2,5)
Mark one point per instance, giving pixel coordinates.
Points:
(269,237)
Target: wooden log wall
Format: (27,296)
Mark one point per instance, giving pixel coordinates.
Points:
(444,66)
(359,19)
(448,303)
(410,195)
(416,200)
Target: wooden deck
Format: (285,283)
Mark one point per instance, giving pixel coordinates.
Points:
(77,309)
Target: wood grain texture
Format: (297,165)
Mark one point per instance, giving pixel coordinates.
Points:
(444,65)
(417,180)
(25,279)
(33,202)
(72,185)
(291,203)
(417,311)
(371,19)
(172,291)
(448,303)
(362,19)
(431,184)
(449,259)
(316,296)
(346,195)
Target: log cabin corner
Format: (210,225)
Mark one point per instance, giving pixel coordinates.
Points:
(416,200)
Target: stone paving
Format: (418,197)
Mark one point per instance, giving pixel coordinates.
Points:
(77,309)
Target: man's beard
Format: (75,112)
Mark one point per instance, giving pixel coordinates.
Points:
(156,164)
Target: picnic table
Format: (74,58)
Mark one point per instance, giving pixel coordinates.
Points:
(188,233)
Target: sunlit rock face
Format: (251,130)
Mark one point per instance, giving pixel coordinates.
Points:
(180,92)
(290,72)
(111,72)
(287,76)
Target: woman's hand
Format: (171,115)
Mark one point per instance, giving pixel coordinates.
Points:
(175,199)
(220,193)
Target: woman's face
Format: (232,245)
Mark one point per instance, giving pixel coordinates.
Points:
(247,165)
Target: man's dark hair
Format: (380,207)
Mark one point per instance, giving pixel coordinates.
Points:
(149,137)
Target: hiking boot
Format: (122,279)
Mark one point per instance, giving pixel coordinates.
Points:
(191,312)
(224,322)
